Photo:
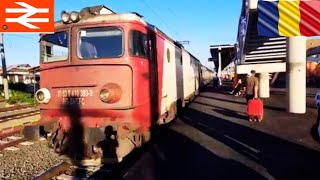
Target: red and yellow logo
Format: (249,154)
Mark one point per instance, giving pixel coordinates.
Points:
(27,16)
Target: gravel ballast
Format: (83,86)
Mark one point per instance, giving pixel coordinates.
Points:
(27,162)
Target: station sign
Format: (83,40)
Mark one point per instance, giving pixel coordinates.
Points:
(27,16)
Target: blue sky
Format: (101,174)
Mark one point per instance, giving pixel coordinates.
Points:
(203,23)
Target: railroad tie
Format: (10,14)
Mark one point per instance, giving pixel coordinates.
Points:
(27,143)
(12,148)
(3,142)
(13,138)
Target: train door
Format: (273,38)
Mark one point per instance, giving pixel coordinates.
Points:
(196,77)
(153,76)
(179,76)
(196,74)
(200,76)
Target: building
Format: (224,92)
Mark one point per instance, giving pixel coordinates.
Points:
(21,73)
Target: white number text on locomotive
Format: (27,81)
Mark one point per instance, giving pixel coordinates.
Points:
(74,96)
(75,93)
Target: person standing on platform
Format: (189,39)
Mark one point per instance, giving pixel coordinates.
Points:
(252,86)
(215,81)
(237,88)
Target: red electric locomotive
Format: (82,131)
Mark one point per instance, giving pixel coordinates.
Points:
(107,79)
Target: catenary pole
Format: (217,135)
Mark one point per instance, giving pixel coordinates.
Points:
(4,68)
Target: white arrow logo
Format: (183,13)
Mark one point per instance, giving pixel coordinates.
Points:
(29,11)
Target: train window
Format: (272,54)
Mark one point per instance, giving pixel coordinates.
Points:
(55,47)
(95,43)
(138,45)
(178,55)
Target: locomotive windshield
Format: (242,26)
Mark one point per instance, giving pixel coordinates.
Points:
(95,43)
(55,47)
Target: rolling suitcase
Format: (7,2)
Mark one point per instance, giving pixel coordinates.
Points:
(255,110)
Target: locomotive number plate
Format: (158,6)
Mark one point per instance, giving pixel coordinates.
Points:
(75,93)
(74,96)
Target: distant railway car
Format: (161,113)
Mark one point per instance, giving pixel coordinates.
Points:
(207,75)
(107,79)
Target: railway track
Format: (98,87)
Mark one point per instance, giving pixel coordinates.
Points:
(130,165)
(8,117)
(8,129)
(10,142)
(15,108)
(10,137)
(53,172)
(64,171)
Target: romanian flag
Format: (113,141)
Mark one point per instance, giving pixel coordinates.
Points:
(288,18)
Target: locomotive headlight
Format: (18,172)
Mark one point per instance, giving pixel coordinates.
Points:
(74,16)
(104,95)
(40,96)
(110,93)
(43,95)
(65,17)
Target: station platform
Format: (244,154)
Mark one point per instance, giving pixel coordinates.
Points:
(212,139)
(277,122)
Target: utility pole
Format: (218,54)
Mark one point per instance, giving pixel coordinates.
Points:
(4,69)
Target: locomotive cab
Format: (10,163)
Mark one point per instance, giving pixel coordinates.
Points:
(95,85)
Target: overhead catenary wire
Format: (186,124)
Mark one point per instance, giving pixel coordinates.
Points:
(22,36)
(10,44)
(164,22)
(172,12)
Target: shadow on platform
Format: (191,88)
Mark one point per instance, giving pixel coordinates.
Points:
(282,159)
(242,103)
(225,112)
(223,89)
(175,156)
(308,95)
(314,130)
(226,89)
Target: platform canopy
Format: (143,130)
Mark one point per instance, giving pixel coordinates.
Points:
(227,54)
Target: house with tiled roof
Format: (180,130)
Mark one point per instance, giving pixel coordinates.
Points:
(21,73)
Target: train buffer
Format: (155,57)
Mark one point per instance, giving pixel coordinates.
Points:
(214,139)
